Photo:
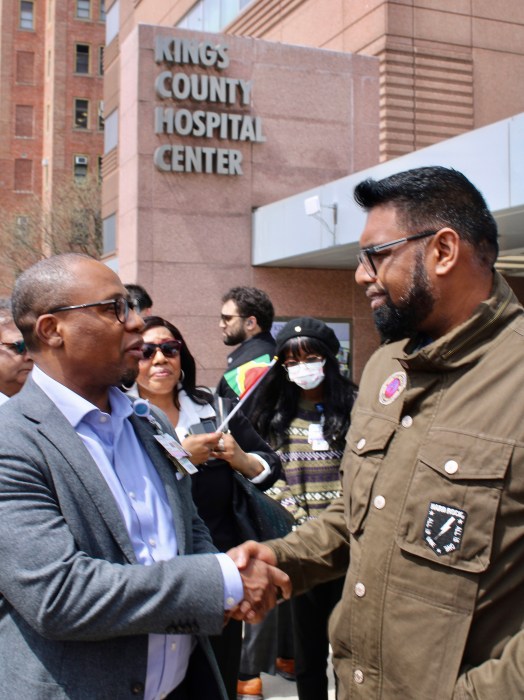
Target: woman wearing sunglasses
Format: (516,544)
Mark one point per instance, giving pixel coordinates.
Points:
(303,411)
(167,378)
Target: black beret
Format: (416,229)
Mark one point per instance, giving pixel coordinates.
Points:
(308,327)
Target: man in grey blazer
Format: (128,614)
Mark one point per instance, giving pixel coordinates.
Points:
(109,581)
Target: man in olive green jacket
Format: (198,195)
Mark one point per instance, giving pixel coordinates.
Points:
(431,524)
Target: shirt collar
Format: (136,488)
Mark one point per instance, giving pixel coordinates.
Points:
(74,407)
(467,342)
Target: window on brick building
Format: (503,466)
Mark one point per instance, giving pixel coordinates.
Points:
(83,9)
(100,60)
(109,234)
(25,67)
(81,116)
(101,116)
(27,14)
(23,175)
(103,10)
(100,163)
(111,131)
(80,167)
(112,22)
(24,119)
(21,226)
(82,58)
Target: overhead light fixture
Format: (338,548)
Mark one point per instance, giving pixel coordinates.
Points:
(313,207)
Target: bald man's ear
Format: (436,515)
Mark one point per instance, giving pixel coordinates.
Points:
(446,251)
(47,331)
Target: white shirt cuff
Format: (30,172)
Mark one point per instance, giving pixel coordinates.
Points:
(233,588)
(265,471)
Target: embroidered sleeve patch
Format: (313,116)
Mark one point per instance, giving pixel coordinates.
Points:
(392,388)
(444,528)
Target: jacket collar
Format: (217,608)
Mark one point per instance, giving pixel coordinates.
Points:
(259,344)
(466,343)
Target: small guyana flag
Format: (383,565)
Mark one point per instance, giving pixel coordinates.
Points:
(242,378)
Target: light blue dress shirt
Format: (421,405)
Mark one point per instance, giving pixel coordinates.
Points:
(143,504)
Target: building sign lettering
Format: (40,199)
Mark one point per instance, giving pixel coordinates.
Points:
(178,86)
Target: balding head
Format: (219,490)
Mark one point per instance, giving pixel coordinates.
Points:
(74,315)
(45,285)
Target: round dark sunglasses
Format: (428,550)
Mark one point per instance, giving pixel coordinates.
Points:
(169,348)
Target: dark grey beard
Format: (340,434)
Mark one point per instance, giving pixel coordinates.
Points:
(395,322)
(235,339)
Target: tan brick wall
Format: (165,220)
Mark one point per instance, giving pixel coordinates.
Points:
(445,67)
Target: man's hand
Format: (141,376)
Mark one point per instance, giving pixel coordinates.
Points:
(263,582)
(251,549)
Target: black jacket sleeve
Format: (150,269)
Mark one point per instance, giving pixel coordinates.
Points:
(250,441)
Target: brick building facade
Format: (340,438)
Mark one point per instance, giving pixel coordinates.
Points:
(51,119)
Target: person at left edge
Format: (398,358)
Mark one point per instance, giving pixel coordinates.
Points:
(15,363)
(109,580)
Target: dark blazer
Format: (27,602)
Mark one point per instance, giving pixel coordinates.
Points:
(75,607)
(214,485)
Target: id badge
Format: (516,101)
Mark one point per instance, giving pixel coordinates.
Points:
(315,438)
(175,449)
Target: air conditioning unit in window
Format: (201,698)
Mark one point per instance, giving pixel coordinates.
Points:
(80,160)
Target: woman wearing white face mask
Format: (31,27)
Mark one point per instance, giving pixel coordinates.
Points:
(303,412)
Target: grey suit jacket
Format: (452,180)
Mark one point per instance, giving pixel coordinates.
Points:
(75,607)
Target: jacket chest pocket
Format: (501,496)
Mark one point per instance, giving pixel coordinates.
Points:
(367,440)
(452,503)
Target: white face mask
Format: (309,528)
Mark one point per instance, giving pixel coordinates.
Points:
(307,375)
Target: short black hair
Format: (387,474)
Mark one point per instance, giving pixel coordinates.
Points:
(43,286)
(434,197)
(252,302)
(138,297)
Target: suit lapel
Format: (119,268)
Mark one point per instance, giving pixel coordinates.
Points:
(167,472)
(56,429)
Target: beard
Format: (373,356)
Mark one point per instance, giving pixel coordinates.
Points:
(128,377)
(236,337)
(402,320)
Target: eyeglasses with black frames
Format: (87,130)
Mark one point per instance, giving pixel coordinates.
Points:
(365,257)
(121,307)
(18,347)
(168,348)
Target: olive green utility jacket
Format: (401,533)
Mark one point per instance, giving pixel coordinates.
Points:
(431,518)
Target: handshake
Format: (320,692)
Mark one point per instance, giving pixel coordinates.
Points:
(264,584)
